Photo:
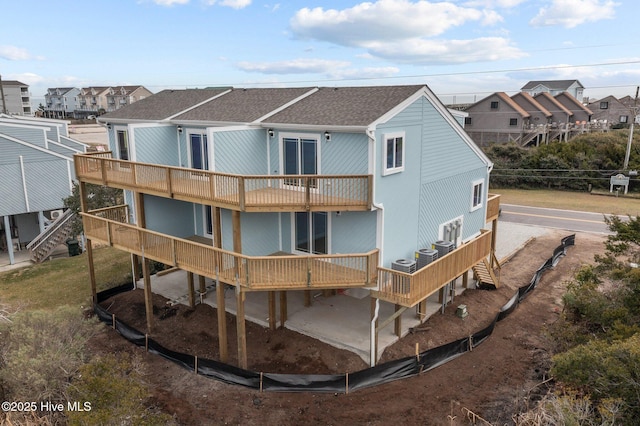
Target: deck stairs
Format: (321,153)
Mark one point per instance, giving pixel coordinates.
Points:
(55,234)
(485,274)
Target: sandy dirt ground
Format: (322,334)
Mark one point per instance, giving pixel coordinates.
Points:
(504,375)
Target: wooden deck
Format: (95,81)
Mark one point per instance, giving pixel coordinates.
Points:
(253,273)
(250,193)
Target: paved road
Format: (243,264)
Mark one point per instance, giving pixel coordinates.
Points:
(554,218)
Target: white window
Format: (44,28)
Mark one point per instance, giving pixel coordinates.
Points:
(394,151)
(624,118)
(477,195)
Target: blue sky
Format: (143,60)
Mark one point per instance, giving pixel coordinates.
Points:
(462,49)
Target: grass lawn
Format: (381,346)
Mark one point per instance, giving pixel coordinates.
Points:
(581,201)
(63,281)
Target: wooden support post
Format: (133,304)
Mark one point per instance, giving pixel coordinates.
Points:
(202,288)
(307,298)
(465,279)
(272,310)
(138,199)
(422,310)
(241,328)
(135,261)
(222,321)
(441,295)
(217,226)
(283,308)
(148,296)
(398,322)
(92,272)
(192,292)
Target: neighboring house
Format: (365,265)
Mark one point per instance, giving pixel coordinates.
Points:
(537,128)
(92,101)
(554,87)
(581,114)
(612,111)
(36,173)
(297,189)
(120,96)
(61,102)
(497,119)
(15,98)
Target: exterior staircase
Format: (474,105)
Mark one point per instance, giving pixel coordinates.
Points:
(485,274)
(57,233)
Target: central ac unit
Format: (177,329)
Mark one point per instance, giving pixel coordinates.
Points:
(55,214)
(443,247)
(404,265)
(425,256)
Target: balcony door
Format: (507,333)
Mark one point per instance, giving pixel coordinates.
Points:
(199,159)
(311,232)
(300,157)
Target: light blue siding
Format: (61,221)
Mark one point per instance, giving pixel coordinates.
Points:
(435,186)
(241,152)
(259,233)
(346,153)
(46,178)
(156,145)
(353,232)
(285,226)
(274,155)
(440,204)
(34,136)
(61,149)
(28,226)
(169,216)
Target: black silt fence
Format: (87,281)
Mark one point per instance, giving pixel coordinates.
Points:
(335,383)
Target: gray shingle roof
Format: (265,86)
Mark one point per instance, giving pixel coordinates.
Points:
(243,105)
(551,84)
(344,106)
(163,104)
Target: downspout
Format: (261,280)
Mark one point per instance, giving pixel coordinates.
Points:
(372,140)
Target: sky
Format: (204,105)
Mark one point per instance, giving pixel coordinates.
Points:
(463,50)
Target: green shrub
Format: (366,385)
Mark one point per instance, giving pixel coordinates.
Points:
(40,352)
(115,389)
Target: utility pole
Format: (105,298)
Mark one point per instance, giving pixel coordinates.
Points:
(634,113)
(4,104)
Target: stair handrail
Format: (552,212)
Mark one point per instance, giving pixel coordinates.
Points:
(53,228)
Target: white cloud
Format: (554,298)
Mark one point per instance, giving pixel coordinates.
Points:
(295,66)
(235,4)
(493,4)
(404,31)
(170,2)
(571,13)
(446,51)
(13,53)
(383,20)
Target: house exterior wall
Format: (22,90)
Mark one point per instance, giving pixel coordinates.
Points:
(557,115)
(610,109)
(28,227)
(32,135)
(154,144)
(493,125)
(436,157)
(353,232)
(61,149)
(46,178)
(172,217)
(240,151)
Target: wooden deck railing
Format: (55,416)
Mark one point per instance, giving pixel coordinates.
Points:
(409,289)
(237,192)
(493,207)
(119,213)
(252,272)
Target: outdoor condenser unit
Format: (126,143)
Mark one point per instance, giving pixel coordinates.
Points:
(401,284)
(443,247)
(425,256)
(404,265)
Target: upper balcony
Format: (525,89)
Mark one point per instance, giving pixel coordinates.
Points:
(248,193)
(493,207)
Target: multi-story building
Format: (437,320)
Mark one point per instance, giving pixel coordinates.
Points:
(61,102)
(119,96)
(92,101)
(298,190)
(555,87)
(15,98)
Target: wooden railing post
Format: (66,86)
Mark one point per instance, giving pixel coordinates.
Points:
(169,185)
(241,192)
(103,170)
(369,191)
